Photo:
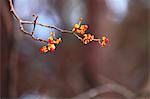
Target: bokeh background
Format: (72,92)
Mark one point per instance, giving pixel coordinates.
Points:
(75,68)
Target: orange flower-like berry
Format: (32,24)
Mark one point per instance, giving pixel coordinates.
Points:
(51,44)
(87,38)
(44,49)
(83,36)
(76,28)
(50,40)
(84,27)
(80,28)
(58,41)
(52,33)
(104,41)
(103,44)
(51,47)
(81,19)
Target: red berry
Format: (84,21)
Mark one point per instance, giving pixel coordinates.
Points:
(43,49)
(86,26)
(51,41)
(52,50)
(106,40)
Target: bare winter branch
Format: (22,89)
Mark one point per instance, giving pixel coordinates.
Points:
(35,22)
(21,22)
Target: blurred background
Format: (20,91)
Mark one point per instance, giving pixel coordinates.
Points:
(74,68)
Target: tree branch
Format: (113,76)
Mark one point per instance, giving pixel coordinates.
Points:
(21,22)
(35,22)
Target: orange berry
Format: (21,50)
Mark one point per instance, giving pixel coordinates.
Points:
(58,41)
(78,31)
(76,26)
(51,41)
(52,33)
(51,46)
(88,36)
(52,50)
(91,38)
(106,40)
(81,19)
(82,32)
(85,36)
(84,27)
(43,49)
(103,44)
(86,41)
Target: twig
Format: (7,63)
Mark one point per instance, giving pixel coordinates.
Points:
(36,17)
(35,22)
(21,22)
(78,36)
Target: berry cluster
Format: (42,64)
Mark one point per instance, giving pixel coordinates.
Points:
(78,29)
(52,42)
(87,37)
(104,41)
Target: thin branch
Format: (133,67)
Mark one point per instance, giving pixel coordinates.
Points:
(21,22)
(78,36)
(35,20)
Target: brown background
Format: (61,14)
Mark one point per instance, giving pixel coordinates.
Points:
(75,68)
